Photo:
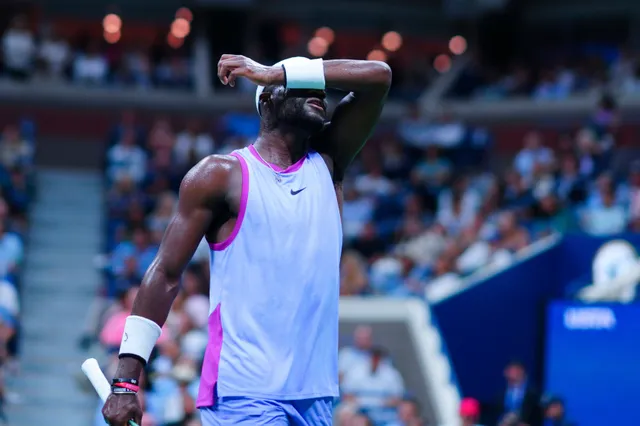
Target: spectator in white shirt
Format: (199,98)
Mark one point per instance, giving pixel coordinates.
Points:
(11,250)
(192,145)
(375,387)
(126,159)
(19,48)
(373,183)
(458,206)
(607,219)
(533,157)
(356,212)
(359,352)
(91,67)
(55,54)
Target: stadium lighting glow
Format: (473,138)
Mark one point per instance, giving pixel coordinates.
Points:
(113,37)
(174,41)
(185,13)
(392,41)
(377,55)
(442,63)
(317,47)
(180,28)
(458,45)
(112,23)
(326,33)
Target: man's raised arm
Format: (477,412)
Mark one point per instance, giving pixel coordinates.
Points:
(356,115)
(204,187)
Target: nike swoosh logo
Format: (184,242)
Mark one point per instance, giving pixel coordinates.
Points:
(298,191)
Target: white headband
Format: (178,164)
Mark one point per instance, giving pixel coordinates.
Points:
(260,89)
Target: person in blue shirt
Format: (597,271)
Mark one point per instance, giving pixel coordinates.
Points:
(520,400)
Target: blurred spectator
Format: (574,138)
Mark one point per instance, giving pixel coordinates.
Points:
(132,257)
(373,183)
(353,274)
(11,250)
(469,413)
(54,54)
(19,49)
(554,413)
(533,157)
(375,387)
(165,208)
(359,352)
(432,172)
(192,145)
(126,160)
(91,67)
(408,414)
(520,403)
(634,192)
(15,151)
(606,217)
(111,334)
(457,207)
(570,186)
(356,212)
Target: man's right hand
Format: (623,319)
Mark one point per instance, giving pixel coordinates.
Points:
(119,409)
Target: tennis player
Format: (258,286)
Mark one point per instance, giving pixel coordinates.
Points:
(271,214)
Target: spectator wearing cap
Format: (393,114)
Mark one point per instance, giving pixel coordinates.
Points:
(554,413)
(520,402)
(469,412)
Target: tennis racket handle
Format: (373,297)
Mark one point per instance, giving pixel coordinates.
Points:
(92,370)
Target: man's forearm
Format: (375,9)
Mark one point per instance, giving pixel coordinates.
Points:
(357,76)
(350,75)
(157,293)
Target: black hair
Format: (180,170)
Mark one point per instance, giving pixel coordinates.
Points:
(517,363)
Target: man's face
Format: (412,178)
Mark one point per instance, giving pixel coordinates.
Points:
(300,108)
(514,374)
(407,411)
(363,337)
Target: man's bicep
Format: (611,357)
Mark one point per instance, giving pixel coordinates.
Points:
(353,121)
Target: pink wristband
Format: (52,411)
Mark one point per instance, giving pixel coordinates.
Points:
(129,386)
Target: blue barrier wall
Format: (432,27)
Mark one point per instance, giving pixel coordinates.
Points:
(502,318)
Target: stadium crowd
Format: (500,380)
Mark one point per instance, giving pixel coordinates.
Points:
(552,75)
(17,148)
(44,55)
(421,212)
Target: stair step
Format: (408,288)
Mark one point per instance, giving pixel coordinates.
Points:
(59,285)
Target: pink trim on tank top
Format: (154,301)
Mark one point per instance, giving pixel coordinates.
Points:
(211,362)
(292,168)
(243,206)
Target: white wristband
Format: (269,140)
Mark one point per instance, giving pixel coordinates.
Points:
(139,337)
(307,74)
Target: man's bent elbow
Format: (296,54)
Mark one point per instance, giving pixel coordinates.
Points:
(382,73)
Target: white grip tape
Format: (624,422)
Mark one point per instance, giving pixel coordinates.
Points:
(307,74)
(139,337)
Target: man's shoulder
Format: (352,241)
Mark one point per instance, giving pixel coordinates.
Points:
(212,175)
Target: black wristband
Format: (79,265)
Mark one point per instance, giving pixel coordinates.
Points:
(130,381)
